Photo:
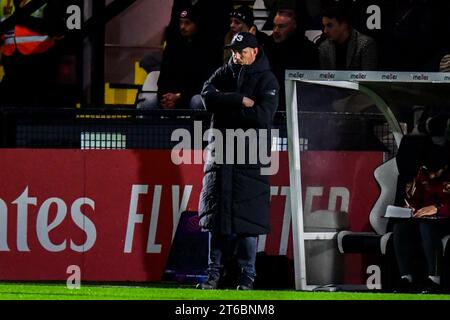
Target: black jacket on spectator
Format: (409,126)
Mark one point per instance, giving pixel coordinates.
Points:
(185,67)
(214,22)
(235,197)
(263,38)
(361,53)
(297,52)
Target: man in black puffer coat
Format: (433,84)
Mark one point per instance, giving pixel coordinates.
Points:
(234,202)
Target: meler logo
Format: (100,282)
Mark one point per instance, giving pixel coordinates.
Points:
(361,76)
(296,75)
(389,76)
(327,75)
(44,226)
(420,77)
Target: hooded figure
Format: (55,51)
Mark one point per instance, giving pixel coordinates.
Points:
(242,96)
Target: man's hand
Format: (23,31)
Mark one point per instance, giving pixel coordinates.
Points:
(426,212)
(247,102)
(169,100)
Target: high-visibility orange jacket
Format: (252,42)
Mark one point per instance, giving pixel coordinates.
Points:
(23,39)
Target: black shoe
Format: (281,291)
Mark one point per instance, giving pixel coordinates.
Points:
(245,287)
(245,283)
(406,286)
(431,287)
(209,284)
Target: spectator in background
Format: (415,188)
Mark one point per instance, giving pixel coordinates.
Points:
(345,48)
(288,48)
(186,64)
(305,10)
(242,20)
(29,54)
(213,15)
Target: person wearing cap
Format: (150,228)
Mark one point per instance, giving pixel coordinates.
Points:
(242,20)
(234,201)
(429,197)
(214,18)
(185,66)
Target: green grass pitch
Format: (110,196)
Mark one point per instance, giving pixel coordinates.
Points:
(33,291)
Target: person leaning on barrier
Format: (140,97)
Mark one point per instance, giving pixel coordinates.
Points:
(345,48)
(234,201)
(429,197)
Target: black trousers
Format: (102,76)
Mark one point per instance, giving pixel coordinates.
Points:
(418,238)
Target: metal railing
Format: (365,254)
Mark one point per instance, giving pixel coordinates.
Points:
(112,127)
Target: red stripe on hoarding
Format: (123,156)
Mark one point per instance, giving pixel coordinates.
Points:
(79,207)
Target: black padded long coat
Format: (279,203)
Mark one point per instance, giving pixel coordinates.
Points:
(235,198)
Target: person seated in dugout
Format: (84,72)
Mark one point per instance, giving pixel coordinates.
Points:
(428,195)
(187,63)
(242,20)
